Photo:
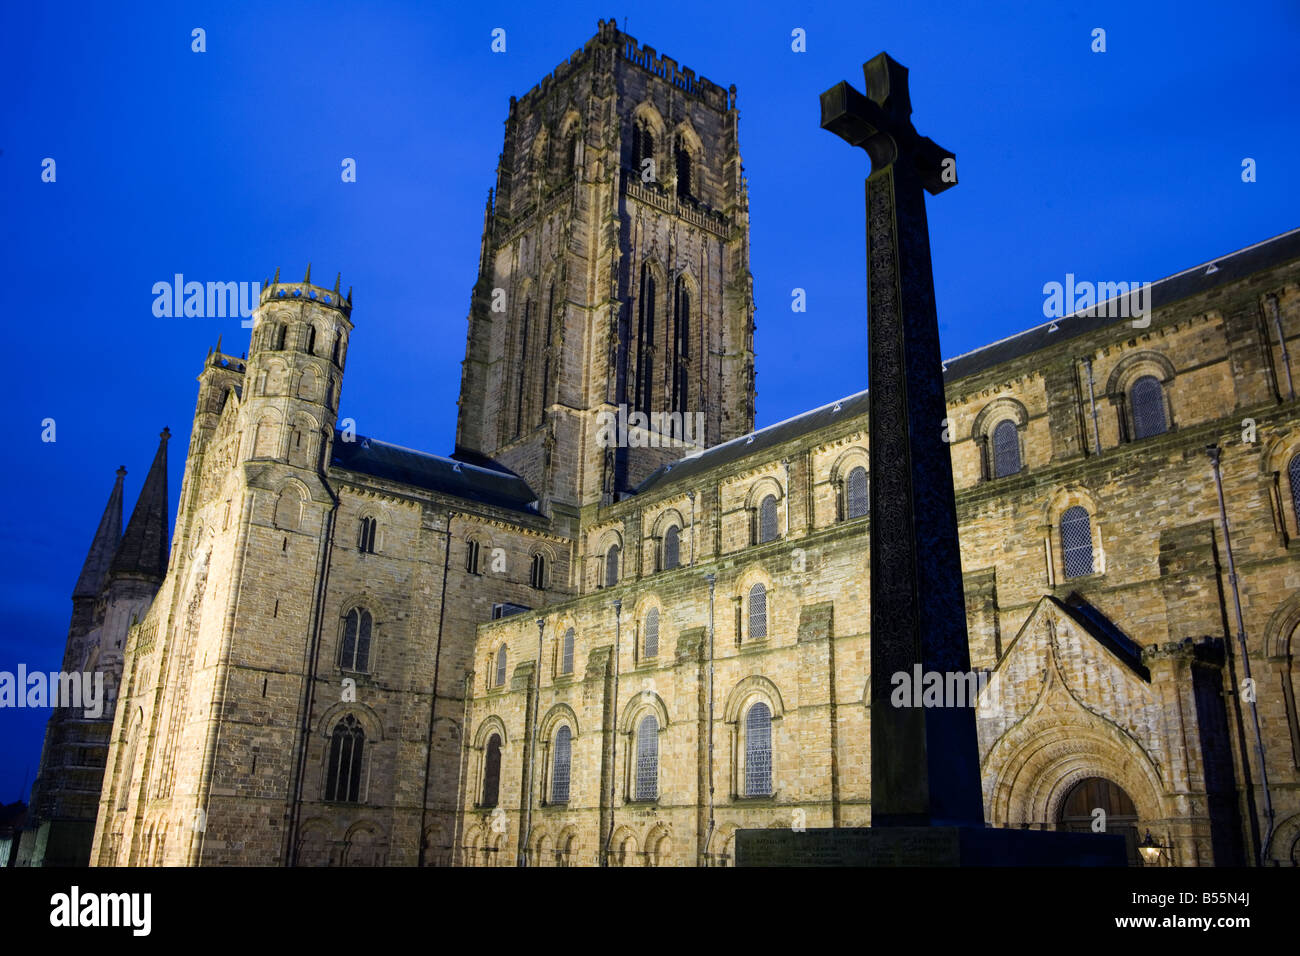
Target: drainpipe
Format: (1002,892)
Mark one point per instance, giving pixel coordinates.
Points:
(1092,404)
(785,463)
(532,749)
(1286,359)
(708,837)
(433,703)
(613,758)
(691,495)
(1213,451)
(318,623)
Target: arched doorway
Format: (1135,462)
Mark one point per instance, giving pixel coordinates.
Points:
(1077,811)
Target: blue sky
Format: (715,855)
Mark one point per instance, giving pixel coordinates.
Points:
(223,165)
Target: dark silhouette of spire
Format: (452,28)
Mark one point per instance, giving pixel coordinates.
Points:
(104,545)
(144,546)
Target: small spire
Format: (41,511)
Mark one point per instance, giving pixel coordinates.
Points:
(143,550)
(337,279)
(307,277)
(349,295)
(276,280)
(218,341)
(104,545)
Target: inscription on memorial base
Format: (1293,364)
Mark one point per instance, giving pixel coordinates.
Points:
(927,846)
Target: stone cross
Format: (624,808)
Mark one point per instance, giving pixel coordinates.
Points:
(924,760)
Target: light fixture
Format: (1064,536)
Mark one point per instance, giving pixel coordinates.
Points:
(1150,849)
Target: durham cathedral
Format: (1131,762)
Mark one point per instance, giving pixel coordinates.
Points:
(555,649)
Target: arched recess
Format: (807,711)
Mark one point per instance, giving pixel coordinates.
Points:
(1281,644)
(314,844)
(363,845)
(1126,372)
(623,848)
(289,505)
(648,345)
(646,117)
(850,459)
(568,847)
(638,706)
(266,435)
(570,140)
(309,383)
(658,846)
(364,714)
(302,440)
(1284,845)
(487,728)
(1056,506)
(1280,470)
(1030,770)
(558,714)
(754,687)
(722,846)
(995,411)
(744,599)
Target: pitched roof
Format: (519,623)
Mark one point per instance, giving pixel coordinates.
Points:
(104,545)
(1222,271)
(145,544)
(1217,272)
(491,486)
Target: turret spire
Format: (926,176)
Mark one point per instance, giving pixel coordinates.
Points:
(104,545)
(144,546)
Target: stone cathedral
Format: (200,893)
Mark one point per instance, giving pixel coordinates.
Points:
(556,649)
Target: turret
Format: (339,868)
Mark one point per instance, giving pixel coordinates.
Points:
(295,372)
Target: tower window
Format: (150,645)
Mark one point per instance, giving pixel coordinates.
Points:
(501,666)
(855,493)
(652,633)
(566,653)
(1293,472)
(1076,541)
(354,652)
(366,541)
(1006,449)
(561,765)
(611,566)
(309,343)
(647,759)
(682,157)
(472,556)
(492,771)
(538,575)
(767,525)
(1148,402)
(757,612)
(672,548)
(758,751)
(347,747)
(643,147)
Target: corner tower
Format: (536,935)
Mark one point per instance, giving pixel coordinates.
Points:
(613,271)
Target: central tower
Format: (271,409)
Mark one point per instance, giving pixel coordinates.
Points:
(613,271)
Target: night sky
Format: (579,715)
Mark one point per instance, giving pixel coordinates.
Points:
(223,165)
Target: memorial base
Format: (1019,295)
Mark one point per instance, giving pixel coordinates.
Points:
(927,846)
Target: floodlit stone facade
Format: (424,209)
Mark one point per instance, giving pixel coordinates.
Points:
(546,651)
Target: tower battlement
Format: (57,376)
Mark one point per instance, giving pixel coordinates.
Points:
(627,47)
(330,298)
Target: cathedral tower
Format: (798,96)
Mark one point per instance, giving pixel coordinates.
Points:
(118,581)
(613,276)
(213,694)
